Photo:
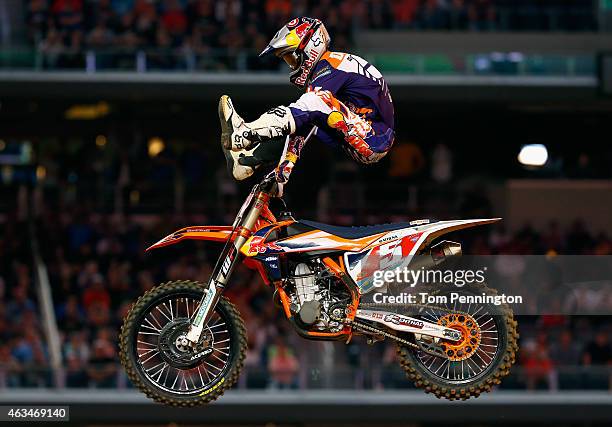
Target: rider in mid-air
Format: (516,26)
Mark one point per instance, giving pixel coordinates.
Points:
(346,98)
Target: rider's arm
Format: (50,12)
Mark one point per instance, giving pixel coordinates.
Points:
(294,150)
(313,107)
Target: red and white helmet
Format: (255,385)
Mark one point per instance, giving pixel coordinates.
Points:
(301,43)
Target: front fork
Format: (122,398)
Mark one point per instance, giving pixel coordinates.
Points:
(227,261)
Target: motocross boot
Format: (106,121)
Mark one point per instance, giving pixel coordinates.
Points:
(242,164)
(238,135)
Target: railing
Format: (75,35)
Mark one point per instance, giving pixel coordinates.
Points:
(546,18)
(308,377)
(154,60)
(487,63)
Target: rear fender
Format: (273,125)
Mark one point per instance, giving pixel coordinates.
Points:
(430,232)
(213,233)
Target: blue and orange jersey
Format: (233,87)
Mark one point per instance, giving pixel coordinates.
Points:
(357,84)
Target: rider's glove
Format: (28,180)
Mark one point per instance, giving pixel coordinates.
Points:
(283,171)
(296,143)
(294,149)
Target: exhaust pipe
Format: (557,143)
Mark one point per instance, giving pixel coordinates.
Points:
(438,254)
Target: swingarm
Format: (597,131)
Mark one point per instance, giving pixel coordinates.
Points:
(403,323)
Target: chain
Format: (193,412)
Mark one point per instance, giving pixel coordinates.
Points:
(369,328)
(425,306)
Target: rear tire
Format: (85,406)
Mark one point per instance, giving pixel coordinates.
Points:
(133,355)
(412,360)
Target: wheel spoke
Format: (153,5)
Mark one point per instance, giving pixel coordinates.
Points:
(155,320)
(153,367)
(146,351)
(171,313)
(216,325)
(162,322)
(482,355)
(149,358)
(165,315)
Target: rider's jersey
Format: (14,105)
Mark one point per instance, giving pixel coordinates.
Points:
(357,84)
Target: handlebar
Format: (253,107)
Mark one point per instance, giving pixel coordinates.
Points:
(270,180)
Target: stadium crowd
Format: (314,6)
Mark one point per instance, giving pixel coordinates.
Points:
(221,29)
(97,268)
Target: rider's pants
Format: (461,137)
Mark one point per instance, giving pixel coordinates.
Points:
(366,142)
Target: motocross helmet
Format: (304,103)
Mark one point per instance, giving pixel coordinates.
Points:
(301,43)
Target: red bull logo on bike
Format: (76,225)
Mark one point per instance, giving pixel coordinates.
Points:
(256,245)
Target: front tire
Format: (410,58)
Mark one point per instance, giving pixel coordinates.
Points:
(172,374)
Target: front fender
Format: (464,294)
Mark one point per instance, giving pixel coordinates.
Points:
(214,233)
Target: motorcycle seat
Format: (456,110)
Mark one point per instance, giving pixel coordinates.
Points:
(355,232)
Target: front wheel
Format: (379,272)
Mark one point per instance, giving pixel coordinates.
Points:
(155,354)
(472,365)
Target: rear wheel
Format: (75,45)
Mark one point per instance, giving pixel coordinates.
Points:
(472,365)
(156,354)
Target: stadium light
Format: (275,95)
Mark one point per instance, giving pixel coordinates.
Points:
(100,141)
(41,172)
(156,146)
(87,111)
(533,155)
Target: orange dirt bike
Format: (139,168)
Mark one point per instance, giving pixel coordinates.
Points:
(183,343)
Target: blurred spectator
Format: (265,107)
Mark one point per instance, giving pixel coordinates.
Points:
(598,351)
(482,14)
(407,159)
(431,16)
(537,363)
(37,19)
(565,351)
(70,316)
(29,352)
(404,12)
(76,354)
(19,304)
(380,15)
(282,365)
(458,17)
(63,28)
(174,21)
(441,164)
(102,368)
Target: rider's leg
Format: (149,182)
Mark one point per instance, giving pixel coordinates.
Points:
(319,108)
(363,153)
(338,125)
(236,134)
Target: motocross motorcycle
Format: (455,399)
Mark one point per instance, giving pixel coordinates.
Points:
(183,344)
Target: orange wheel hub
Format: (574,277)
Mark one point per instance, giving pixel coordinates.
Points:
(470,336)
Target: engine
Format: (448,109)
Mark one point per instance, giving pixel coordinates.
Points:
(314,292)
